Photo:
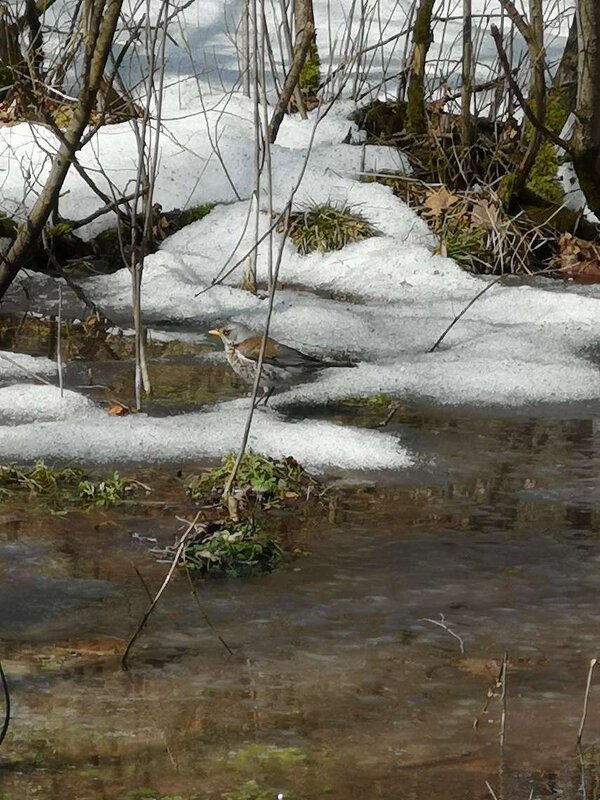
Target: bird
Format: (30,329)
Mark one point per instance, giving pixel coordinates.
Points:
(281,364)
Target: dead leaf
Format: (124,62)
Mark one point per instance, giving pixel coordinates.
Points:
(160,228)
(484,214)
(117,410)
(438,201)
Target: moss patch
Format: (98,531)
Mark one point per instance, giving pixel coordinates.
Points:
(255,755)
(310,74)
(250,790)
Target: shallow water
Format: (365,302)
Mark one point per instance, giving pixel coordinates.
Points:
(337,686)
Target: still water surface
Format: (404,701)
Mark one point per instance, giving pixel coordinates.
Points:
(338,686)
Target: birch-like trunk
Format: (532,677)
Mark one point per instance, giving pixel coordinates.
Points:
(416,115)
(586,134)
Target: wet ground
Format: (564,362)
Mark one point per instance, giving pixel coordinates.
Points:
(341,684)
(337,686)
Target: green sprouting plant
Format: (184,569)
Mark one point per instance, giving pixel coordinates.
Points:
(268,478)
(41,479)
(234,549)
(109,492)
(57,488)
(324,228)
(249,791)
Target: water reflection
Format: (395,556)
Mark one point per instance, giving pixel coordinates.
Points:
(338,686)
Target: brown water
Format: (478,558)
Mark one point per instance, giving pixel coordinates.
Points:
(337,687)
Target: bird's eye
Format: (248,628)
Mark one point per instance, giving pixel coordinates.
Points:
(226,331)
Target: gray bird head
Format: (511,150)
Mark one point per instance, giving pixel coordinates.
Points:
(232,332)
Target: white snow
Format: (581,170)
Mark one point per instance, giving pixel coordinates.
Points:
(383,301)
(24,403)
(20,366)
(82,432)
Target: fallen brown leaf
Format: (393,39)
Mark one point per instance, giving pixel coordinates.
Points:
(118,410)
(578,259)
(438,201)
(484,214)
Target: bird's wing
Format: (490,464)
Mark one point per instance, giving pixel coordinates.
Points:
(276,354)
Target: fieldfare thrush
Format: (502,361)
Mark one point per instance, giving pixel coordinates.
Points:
(281,364)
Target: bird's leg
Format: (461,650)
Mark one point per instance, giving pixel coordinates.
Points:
(264,398)
(259,400)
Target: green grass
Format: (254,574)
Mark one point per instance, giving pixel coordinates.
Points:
(465,245)
(108,492)
(324,228)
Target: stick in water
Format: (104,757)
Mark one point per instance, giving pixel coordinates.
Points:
(144,621)
(593,662)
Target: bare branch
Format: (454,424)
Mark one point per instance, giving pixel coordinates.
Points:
(291,81)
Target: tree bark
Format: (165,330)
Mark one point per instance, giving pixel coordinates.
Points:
(291,81)
(467,75)
(565,79)
(102,22)
(11,58)
(309,77)
(586,133)
(422,39)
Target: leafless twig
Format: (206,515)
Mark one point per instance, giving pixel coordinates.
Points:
(25,369)
(6,694)
(503,696)
(442,624)
(203,611)
(593,662)
(144,621)
(485,289)
(508,72)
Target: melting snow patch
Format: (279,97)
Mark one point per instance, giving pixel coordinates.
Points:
(82,432)
(19,366)
(23,403)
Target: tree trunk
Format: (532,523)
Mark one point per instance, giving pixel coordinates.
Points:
(467,75)
(102,23)
(586,133)
(422,39)
(309,78)
(11,58)
(565,79)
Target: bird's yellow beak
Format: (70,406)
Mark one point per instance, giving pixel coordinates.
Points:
(215,332)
